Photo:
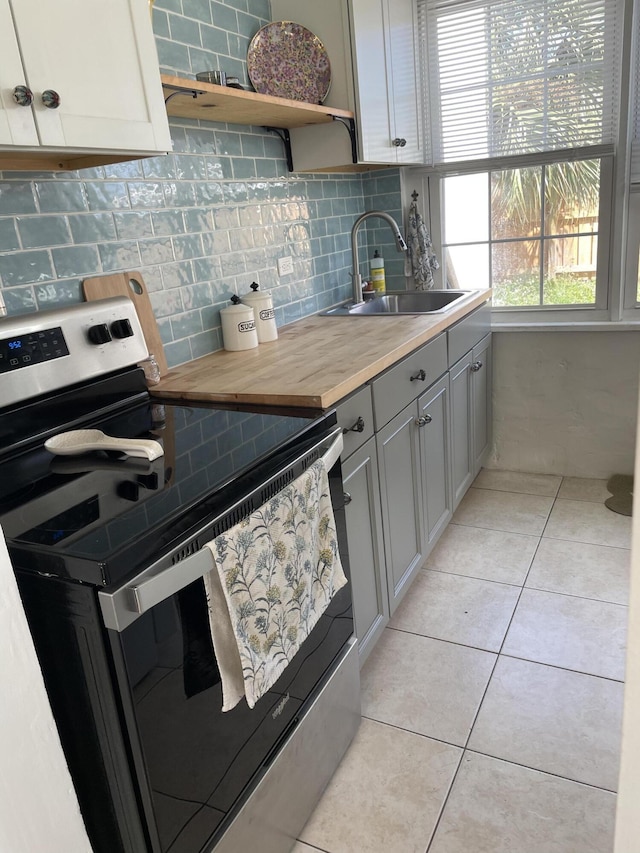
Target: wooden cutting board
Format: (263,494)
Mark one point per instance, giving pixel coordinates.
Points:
(130,284)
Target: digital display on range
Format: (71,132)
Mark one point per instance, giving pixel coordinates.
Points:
(32,348)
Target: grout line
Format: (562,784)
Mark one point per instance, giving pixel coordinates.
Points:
(441,640)
(539,770)
(562,668)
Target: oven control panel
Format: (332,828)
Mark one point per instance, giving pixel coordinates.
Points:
(42,352)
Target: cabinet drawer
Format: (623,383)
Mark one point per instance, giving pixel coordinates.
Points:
(355,415)
(405,381)
(464,335)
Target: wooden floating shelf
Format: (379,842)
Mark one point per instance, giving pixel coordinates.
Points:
(207,101)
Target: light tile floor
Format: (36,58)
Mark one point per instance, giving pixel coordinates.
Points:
(492,703)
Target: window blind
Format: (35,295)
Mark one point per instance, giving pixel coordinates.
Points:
(505,78)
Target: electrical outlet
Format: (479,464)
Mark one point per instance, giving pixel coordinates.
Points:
(285,265)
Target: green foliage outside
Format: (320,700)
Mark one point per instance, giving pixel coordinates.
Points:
(561,290)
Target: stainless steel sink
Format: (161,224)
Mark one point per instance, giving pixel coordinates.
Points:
(404,302)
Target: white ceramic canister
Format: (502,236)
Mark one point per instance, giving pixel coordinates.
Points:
(238,326)
(262,305)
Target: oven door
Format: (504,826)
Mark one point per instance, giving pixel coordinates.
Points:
(196,766)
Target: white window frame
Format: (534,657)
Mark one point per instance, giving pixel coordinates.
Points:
(618,227)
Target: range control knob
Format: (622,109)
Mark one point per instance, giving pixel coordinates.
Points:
(121,328)
(99,334)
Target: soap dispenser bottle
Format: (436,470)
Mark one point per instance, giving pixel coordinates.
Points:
(262,305)
(377,273)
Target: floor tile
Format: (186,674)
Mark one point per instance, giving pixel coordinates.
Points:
(574,633)
(493,555)
(584,489)
(513,481)
(458,609)
(577,568)
(504,511)
(551,719)
(386,795)
(583,521)
(301,847)
(497,807)
(423,685)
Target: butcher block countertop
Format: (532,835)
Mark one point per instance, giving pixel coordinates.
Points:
(314,363)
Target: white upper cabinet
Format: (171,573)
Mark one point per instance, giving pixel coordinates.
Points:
(91,70)
(373,50)
(383,36)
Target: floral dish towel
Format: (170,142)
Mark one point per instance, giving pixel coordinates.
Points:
(275,574)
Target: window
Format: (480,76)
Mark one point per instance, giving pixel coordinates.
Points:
(531,233)
(525,126)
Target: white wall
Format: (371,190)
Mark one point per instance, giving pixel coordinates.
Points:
(565,402)
(38,807)
(628,804)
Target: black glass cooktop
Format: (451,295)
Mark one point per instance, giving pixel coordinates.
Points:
(98,516)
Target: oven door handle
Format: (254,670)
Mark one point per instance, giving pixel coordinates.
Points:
(125,605)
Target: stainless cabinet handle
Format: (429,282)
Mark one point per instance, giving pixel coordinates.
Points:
(399,142)
(23,96)
(476,366)
(347,498)
(424,420)
(357,427)
(51,99)
(421,375)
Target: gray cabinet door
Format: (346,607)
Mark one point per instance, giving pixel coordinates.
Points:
(401,493)
(435,435)
(482,415)
(462,447)
(366,547)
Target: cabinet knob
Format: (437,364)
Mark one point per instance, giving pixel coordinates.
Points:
(476,366)
(399,142)
(357,427)
(421,375)
(23,96)
(347,498)
(424,420)
(51,99)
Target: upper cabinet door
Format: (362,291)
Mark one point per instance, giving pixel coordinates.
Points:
(97,61)
(401,28)
(17,124)
(384,46)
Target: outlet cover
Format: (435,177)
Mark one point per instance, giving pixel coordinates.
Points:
(285,265)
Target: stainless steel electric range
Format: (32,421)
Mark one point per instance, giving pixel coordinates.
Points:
(108,553)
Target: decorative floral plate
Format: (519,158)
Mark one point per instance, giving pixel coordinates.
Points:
(288,61)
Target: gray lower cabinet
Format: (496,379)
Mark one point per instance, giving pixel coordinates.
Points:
(415,438)
(401,492)
(481,392)
(471,416)
(435,460)
(415,485)
(366,547)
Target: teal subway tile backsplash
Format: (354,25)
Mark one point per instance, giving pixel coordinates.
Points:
(37,231)
(201,223)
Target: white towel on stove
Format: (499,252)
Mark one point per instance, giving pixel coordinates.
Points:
(275,574)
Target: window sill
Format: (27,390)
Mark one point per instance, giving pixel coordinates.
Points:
(566,326)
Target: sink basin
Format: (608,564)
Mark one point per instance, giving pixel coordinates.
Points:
(404,302)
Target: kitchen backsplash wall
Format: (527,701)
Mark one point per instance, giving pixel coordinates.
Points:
(201,223)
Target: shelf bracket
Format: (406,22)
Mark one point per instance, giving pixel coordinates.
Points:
(181,90)
(350,124)
(285,136)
